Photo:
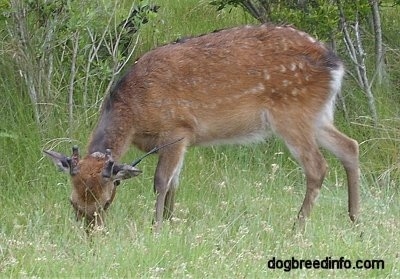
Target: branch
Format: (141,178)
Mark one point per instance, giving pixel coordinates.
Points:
(72,81)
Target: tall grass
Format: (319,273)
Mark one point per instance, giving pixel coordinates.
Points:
(231,218)
(236,205)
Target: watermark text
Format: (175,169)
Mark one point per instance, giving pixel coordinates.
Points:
(326,263)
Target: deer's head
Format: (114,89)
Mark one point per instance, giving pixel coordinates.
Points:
(94,180)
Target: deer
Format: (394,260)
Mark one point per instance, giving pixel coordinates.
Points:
(233,86)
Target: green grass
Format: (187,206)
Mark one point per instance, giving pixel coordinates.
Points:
(235,206)
(235,211)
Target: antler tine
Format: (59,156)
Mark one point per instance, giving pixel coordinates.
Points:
(75,150)
(108,169)
(109,165)
(108,154)
(73,161)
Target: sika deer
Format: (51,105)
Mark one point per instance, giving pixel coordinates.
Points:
(232,86)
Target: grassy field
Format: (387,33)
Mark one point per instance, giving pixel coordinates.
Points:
(235,211)
(235,206)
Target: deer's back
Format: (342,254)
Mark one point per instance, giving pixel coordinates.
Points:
(228,84)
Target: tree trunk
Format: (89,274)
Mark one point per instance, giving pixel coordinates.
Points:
(75,42)
(357,54)
(379,49)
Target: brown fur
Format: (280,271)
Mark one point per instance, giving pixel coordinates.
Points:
(232,86)
(91,192)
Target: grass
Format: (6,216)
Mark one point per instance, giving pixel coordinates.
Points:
(235,206)
(235,212)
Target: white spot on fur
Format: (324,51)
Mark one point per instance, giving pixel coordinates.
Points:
(259,88)
(301,33)
(311,39)
(267,76)
(98,155)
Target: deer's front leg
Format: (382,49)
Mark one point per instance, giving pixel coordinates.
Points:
(166,180)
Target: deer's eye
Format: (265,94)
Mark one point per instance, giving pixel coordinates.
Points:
(117,182)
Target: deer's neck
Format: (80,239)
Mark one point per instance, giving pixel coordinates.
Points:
(110,133)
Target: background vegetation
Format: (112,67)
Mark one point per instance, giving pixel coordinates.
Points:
(236,205)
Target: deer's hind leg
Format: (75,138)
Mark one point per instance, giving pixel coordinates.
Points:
(314,166)
(301,142)
(346,150)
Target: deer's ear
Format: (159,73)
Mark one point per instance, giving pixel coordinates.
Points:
(60,160)
(121,172)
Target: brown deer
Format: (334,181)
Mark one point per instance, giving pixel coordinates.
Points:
(232,86)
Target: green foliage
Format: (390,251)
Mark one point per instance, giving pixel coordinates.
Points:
(71,48)
(318,17)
